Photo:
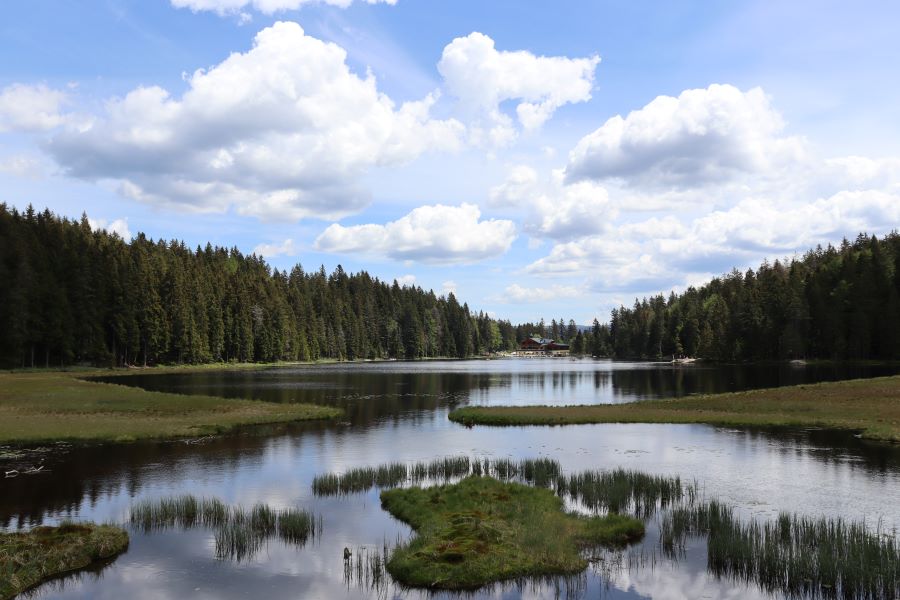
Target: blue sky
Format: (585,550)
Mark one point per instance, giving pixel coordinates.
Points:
(541,160)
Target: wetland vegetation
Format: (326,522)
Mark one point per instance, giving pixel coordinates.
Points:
(870,406)
(800,557)
(360,479)
(504,519)
(483,530)
(56,406)
(30,557)
(239,533)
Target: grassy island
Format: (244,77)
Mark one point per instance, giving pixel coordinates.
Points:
(482,530)
(56,406)
(870,406)
(29,558)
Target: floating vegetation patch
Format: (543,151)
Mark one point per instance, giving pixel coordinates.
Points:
(798,556)
(239,533)
(482,530)
(541,472)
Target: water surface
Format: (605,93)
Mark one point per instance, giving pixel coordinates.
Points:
(398,412)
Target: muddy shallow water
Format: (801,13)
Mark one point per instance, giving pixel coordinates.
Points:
(398,412)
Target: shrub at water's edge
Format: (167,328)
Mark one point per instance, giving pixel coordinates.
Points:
(871,406)
(29,558)
(482,530)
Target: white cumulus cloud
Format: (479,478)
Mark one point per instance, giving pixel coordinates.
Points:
(118,226)
(30,107)
(660,253)
(437,234)
(482,78)
(554,209)
(268,7)
(21,166)
(517,294)
(283,131)
(406,280)
(285,248)
(703,135)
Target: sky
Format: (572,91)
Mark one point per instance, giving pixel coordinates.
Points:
(539,160)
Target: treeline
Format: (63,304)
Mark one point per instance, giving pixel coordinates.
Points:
(833,303)
(71,295)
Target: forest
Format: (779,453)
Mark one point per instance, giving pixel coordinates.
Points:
(832,303)
(72,295)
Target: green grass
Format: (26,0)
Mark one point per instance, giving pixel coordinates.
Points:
(239,533)
(29,558)
(870,406)
(801,557)
(55,406)
(483,530)
(541,472)
(625,491)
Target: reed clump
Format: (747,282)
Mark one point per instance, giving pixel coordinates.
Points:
(799,556)
(622,490)
(541,472)
(239,533)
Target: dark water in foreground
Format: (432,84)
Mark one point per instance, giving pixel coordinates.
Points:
(398,412)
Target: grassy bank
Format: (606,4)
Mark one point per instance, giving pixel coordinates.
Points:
(56,406)
(871,406)
(482,530)
(27,559)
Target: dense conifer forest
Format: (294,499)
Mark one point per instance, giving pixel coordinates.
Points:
(70,295)
(833,303)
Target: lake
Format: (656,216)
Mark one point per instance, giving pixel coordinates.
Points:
(397,411)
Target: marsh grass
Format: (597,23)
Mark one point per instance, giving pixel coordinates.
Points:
(799,556)
(239,533)
(28,558)
(541,472)
(622,490)
(367,568)
(296,526)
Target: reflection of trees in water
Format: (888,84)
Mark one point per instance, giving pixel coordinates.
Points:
(674,381)
(95,473)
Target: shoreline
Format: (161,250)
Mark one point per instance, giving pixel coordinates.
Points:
(55,406)
(870,407)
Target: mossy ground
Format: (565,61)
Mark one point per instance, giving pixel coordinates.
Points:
(27,559)
(482,530)
(870,406)
(42,406)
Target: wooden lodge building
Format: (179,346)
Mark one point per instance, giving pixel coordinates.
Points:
(535,346)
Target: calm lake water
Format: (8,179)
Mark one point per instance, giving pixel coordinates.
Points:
(398,412)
